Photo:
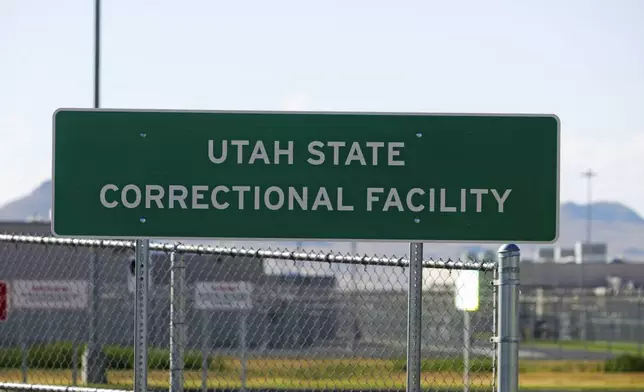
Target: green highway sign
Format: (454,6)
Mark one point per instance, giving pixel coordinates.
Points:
(305,175)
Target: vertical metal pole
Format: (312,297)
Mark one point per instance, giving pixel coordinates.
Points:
(495,323)
(177,321)
(466,351)
(91,355)
(353,295)
(354,268)
(589,174)
(298,248)
(141,316)
(508,322)
(559,326)
(97,52)
(414,313)
(91,373)
(205,352)
(94,371)
(639,322)
(24,352)
(611,325)
(75,360)
(243,346)
(93,308)
(24,365)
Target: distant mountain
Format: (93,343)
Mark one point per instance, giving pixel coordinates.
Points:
(601,211)
(634,252)
(37,203)
(614,223)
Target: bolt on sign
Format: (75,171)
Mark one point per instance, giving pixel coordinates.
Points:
(307,176)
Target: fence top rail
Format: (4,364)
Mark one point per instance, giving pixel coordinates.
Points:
(179,248)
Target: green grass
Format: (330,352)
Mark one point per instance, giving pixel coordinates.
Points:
(61,356)
(51,364)
(360,374)
(595,346)
(456,364)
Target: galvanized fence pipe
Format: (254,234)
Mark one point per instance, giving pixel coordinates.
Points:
(508,324)
(178,248)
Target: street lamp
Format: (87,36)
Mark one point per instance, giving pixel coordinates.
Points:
(589,174)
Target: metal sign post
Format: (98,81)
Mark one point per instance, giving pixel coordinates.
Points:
(414,314)
(141,316)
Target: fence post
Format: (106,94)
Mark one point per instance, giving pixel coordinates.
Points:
(94,362)
(141,316)
(243,331)
(639,321)
(177,321)
(24,348)
(508,322)
(205,350)
(466,350)
(414,313)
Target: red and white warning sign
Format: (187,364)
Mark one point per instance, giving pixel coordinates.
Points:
(4,301)
(50,294)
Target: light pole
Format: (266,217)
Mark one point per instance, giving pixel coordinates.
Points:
(94,363)
(97,52)
(589,174)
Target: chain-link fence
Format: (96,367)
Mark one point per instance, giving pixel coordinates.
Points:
(237,319)
(602,322)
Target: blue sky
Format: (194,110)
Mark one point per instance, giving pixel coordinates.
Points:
(583,60)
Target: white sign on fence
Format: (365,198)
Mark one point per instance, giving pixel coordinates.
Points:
(466,290)
(223,295)
(50,294)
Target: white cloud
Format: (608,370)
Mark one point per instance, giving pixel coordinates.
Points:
(295,102)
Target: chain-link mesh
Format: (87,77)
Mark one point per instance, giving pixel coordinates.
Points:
(603,321)
(269,319)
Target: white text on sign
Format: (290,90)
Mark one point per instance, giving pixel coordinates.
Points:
(242,197)
(338,152)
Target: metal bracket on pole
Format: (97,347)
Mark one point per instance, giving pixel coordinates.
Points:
(508,319)
(141,316)
(414,313)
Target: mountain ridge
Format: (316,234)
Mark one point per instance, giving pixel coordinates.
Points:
(606,211)
(619,226)
(38,202)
